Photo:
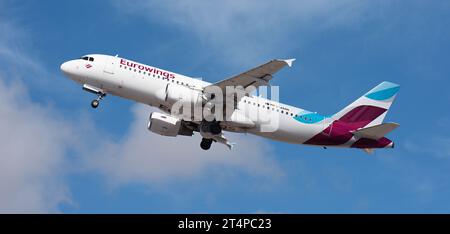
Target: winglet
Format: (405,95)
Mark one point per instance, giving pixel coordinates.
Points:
(231,145)
(369,150)
(289,62)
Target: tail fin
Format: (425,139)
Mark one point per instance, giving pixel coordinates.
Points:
(370,109)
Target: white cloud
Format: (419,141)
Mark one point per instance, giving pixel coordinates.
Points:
(142,156)
(33,137)
(13,44)
(245,31)
(33,142)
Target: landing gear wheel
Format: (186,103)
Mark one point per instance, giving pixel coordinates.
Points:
(206,144)
(95,104)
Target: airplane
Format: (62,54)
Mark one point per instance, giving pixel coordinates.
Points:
(359,125)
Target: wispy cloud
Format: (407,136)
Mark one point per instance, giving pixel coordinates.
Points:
(244,31)
(34,138)
(435,146)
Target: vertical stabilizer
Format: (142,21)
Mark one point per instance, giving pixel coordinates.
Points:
(370,109)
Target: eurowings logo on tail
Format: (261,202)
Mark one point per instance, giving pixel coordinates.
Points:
(360,124)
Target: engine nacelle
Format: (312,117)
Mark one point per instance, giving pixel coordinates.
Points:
(165,125)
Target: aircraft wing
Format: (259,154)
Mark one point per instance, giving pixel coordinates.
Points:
(256,77)
(223,140)
(259,76)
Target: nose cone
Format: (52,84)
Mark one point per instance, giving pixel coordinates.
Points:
(65,68)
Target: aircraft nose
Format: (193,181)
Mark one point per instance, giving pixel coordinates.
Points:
(64,67)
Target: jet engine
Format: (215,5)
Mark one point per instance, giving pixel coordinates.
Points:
(164,125)
(167,125)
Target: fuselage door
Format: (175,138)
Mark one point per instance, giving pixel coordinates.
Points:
(112,81)
(110,65)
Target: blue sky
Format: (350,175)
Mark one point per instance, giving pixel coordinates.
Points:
(58,155)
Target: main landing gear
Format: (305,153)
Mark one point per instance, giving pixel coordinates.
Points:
(209,130)
(212,127)
(206,143)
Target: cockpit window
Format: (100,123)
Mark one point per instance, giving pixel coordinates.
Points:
(88,58)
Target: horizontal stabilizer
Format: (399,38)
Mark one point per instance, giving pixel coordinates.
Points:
(376,132)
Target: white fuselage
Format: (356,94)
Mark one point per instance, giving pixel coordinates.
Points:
(144,84)
(103,74)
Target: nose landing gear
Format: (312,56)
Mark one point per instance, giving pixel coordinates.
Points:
(95,103)
(100,94)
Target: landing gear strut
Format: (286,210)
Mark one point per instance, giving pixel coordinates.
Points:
(100,94)
(215,128)
(211,127)
(206,143)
